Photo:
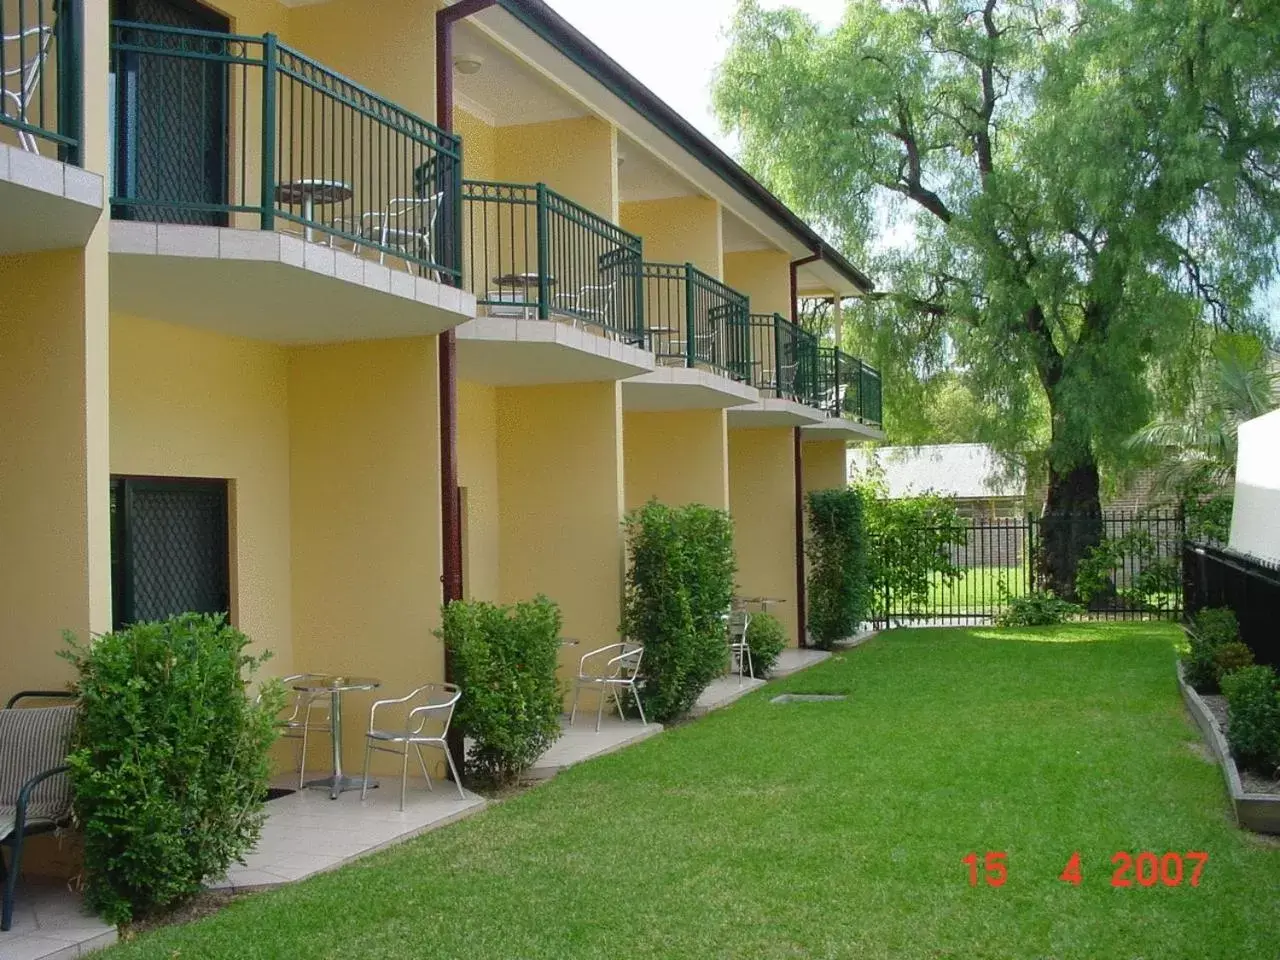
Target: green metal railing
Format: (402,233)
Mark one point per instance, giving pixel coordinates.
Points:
(530,252)
(40,75)
(232,130)
(847,387)
(784,359)
(694,320)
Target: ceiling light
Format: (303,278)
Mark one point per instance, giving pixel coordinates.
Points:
(467,65)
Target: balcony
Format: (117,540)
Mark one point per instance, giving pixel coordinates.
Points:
(699,330)
(556,287)
(48,201)
(784,368)
(258,193)
(848,391)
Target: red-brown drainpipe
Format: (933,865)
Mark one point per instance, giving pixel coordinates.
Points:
(450,503)
(801,600)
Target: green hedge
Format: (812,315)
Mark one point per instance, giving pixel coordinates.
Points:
(1253,723)
(679,584)
(504,659)
(170,760)
(839,594)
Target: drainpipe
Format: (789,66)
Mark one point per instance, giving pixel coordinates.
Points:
(450,502)
(801,599)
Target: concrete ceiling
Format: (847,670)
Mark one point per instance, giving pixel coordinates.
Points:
(642,176)
(506,91)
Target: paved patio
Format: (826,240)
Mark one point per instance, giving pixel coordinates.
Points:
(50,923)
(581,742)
(793,660)
(722,692)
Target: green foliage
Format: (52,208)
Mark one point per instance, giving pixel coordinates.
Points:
(170,761)
(505,659)
(1155,576)
(1210,629)
(1253,709)
(1231,656)
(679,583)
(911,545)
(839,595)
(1040,608)
(1084,188)
(767,639)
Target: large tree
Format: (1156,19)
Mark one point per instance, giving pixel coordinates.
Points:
(1075,194)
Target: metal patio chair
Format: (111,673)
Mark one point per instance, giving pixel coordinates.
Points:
(435,705)
(405,228)
(26,74)
(299,724)
(35,791)
(620,670)
(736,622)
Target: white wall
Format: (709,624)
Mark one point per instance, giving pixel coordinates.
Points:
(1255,522)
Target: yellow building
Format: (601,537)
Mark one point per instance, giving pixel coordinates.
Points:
(258,311)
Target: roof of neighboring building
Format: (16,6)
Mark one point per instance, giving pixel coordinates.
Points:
(967,471)
(560,33)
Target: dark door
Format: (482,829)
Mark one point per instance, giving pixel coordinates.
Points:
(171,124)
(169,548)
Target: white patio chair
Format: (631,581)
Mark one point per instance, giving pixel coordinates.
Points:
(436,708)
(620,670)
(592,303)
(299,724)
(27,73)
(736,623)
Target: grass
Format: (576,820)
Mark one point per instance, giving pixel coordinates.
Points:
(829,830)
(976,590)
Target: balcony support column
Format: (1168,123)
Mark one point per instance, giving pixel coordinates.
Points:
(801,613)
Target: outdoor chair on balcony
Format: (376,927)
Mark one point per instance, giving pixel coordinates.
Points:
(19,83)
(428,713)
(405,229)
(608,670)
(301,720)
(736,622)
(35,792)
(593,304)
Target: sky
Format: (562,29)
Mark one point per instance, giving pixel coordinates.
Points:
(674,46)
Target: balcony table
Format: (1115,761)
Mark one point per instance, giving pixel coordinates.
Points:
(337,782)
(764,603)
(308,193)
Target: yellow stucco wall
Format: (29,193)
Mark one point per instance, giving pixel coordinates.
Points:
(678,456)
(561,503)
(764,276)
(190,403)
(762,502)
(824,464)
(678,230)
(478,476)
(365,499)
(46,475)
(577,158)
(479,146)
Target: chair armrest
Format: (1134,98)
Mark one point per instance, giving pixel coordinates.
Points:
(391,702)
(41,695)
(24,795)
(582,662)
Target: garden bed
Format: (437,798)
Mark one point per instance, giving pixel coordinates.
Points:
(1256,800)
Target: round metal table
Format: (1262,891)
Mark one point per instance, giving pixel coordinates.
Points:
(336,686)
(308,192)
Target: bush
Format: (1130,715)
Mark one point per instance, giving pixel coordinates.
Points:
(766,639)
(1230,657)
(1040,608)
(505,660)
(839,595)
(679,583)
(169,764)
(1253,707)
(1155,580)
(1210,628)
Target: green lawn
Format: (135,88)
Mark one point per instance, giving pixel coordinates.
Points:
(976,590)
(830,830)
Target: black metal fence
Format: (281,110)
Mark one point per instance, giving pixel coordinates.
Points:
(847,387)
(1213,576)
(40,75)
(784,359)
(981,565)
(694,320)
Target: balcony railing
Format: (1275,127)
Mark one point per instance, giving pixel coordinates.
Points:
(847,387)
(784,359)
(230,130)
(694,320)
(40,70)
(530,252)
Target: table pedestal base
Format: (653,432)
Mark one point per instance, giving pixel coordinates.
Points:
(340,784)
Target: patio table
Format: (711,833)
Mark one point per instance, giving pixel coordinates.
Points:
(337,782)
(308,192)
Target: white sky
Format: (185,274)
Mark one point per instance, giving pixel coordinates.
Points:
(674,46)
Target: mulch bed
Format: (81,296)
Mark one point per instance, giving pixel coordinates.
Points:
(1252,782)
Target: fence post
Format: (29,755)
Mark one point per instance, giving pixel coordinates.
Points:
(268,131)
(68,26)
(544,255)
(690,334)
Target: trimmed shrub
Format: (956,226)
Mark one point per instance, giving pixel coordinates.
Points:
(1040,608)
(505,658)
(1231,656)
(679,583)
(766,638)
(1253,708)
(170,759)
(1210,629)
(839,595)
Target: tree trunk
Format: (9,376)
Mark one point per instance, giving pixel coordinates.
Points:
(1072,524)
